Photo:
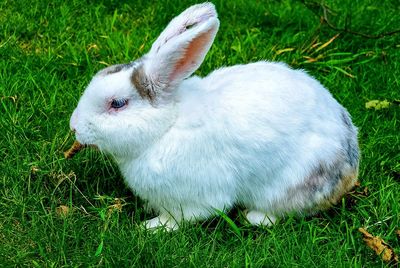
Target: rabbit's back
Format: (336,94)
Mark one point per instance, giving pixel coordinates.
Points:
(262,104)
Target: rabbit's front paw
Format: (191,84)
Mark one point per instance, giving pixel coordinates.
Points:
(259,218)
(165,222)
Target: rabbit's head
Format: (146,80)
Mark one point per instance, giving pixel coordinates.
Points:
(127,107)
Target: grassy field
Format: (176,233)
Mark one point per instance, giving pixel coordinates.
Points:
(68,213)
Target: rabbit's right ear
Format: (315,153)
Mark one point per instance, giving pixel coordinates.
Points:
(178,51)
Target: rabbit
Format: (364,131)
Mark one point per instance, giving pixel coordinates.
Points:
(260,136)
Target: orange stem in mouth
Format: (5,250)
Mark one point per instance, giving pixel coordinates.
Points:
(75,148)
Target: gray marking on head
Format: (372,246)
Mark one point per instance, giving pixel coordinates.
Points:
(117,68)
(112,69)
(145,87)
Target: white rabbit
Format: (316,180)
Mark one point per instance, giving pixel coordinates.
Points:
(262,135)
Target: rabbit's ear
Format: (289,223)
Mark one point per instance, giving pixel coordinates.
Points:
(181,47)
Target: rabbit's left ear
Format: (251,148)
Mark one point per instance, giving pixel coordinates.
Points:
(180,48)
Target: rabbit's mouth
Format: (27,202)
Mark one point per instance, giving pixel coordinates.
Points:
(92,146)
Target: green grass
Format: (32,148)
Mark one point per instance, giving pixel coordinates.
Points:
(49,50)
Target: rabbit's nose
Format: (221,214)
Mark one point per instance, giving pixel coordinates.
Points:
(73,121)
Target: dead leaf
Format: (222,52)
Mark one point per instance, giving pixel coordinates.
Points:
(327,43)
(34,170)
(377,104)
(60,177)
(356,191)
(398,234)
(104,63)
(62,211)
(363,193)
(355,194)
(13,98)
(285,50)
(92,46)
(117,206)
(309,59)
(379,246)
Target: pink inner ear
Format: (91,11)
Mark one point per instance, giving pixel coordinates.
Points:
(193,54)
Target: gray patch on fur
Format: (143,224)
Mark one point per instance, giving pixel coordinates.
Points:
(350,145)
(315,189)
(346,119)
(323,178)
(320,175)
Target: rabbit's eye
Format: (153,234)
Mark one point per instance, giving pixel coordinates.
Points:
(190,26)
(118,103)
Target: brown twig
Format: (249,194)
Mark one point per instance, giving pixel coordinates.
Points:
(75,148)
(312,6)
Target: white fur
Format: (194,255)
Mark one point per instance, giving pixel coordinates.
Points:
(242,135)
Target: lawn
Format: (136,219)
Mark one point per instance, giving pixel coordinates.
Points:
(68,213)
